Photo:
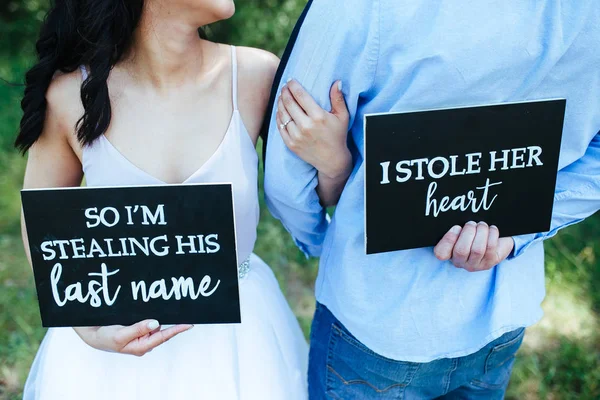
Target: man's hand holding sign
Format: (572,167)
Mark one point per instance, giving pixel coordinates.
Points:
(440,168)
(476,247)
(433,169)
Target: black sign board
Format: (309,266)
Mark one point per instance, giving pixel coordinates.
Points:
(427,171)
(106,256)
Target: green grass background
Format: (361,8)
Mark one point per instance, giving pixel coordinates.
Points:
(560,358)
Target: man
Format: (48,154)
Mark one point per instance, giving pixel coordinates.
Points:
(409,323)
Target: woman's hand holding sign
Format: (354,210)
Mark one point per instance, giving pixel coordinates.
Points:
(316,136)
(476,247)
(136,340)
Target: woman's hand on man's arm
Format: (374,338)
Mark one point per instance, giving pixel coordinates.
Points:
(317,137)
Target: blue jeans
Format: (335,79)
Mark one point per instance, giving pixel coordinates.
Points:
(342,368)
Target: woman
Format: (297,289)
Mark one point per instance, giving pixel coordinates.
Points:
(127,93)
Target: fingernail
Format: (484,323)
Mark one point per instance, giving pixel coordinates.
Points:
(472,223)
(494,227)
(483,223)
(152,325)
(340,86)
(289,80)
(191,326)
(456,229)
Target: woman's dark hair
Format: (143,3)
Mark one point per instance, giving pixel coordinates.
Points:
(93,33)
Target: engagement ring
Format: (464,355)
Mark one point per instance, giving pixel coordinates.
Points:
(285,124)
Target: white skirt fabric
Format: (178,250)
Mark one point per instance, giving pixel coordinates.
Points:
(264,358)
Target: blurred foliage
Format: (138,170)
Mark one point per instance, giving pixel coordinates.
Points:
(266,24)
(561,355)
(19,25)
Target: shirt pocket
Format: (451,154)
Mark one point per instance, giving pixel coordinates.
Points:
(354,371)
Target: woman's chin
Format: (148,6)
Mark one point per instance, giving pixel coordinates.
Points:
(228,11)
(221,13)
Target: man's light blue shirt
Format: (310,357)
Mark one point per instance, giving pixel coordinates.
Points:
(421,54)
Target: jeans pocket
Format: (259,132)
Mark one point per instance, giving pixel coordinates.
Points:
(504,352)
(356,372)
(499,362)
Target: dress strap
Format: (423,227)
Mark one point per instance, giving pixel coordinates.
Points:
(84,72)
(234,79)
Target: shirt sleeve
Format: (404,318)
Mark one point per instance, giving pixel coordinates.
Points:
(577,196)
(336,41)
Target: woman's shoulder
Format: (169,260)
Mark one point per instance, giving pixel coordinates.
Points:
(64,97)
(63,110)
(256,70)
(257,63)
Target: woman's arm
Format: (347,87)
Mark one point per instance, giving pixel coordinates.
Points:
(53,162)
(318,137)
(329,188)
(256,69)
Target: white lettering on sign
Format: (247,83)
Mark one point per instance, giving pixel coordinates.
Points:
(462,202)
(180,287)
(110,216)
(440,167)
(74,291)
(124,247)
